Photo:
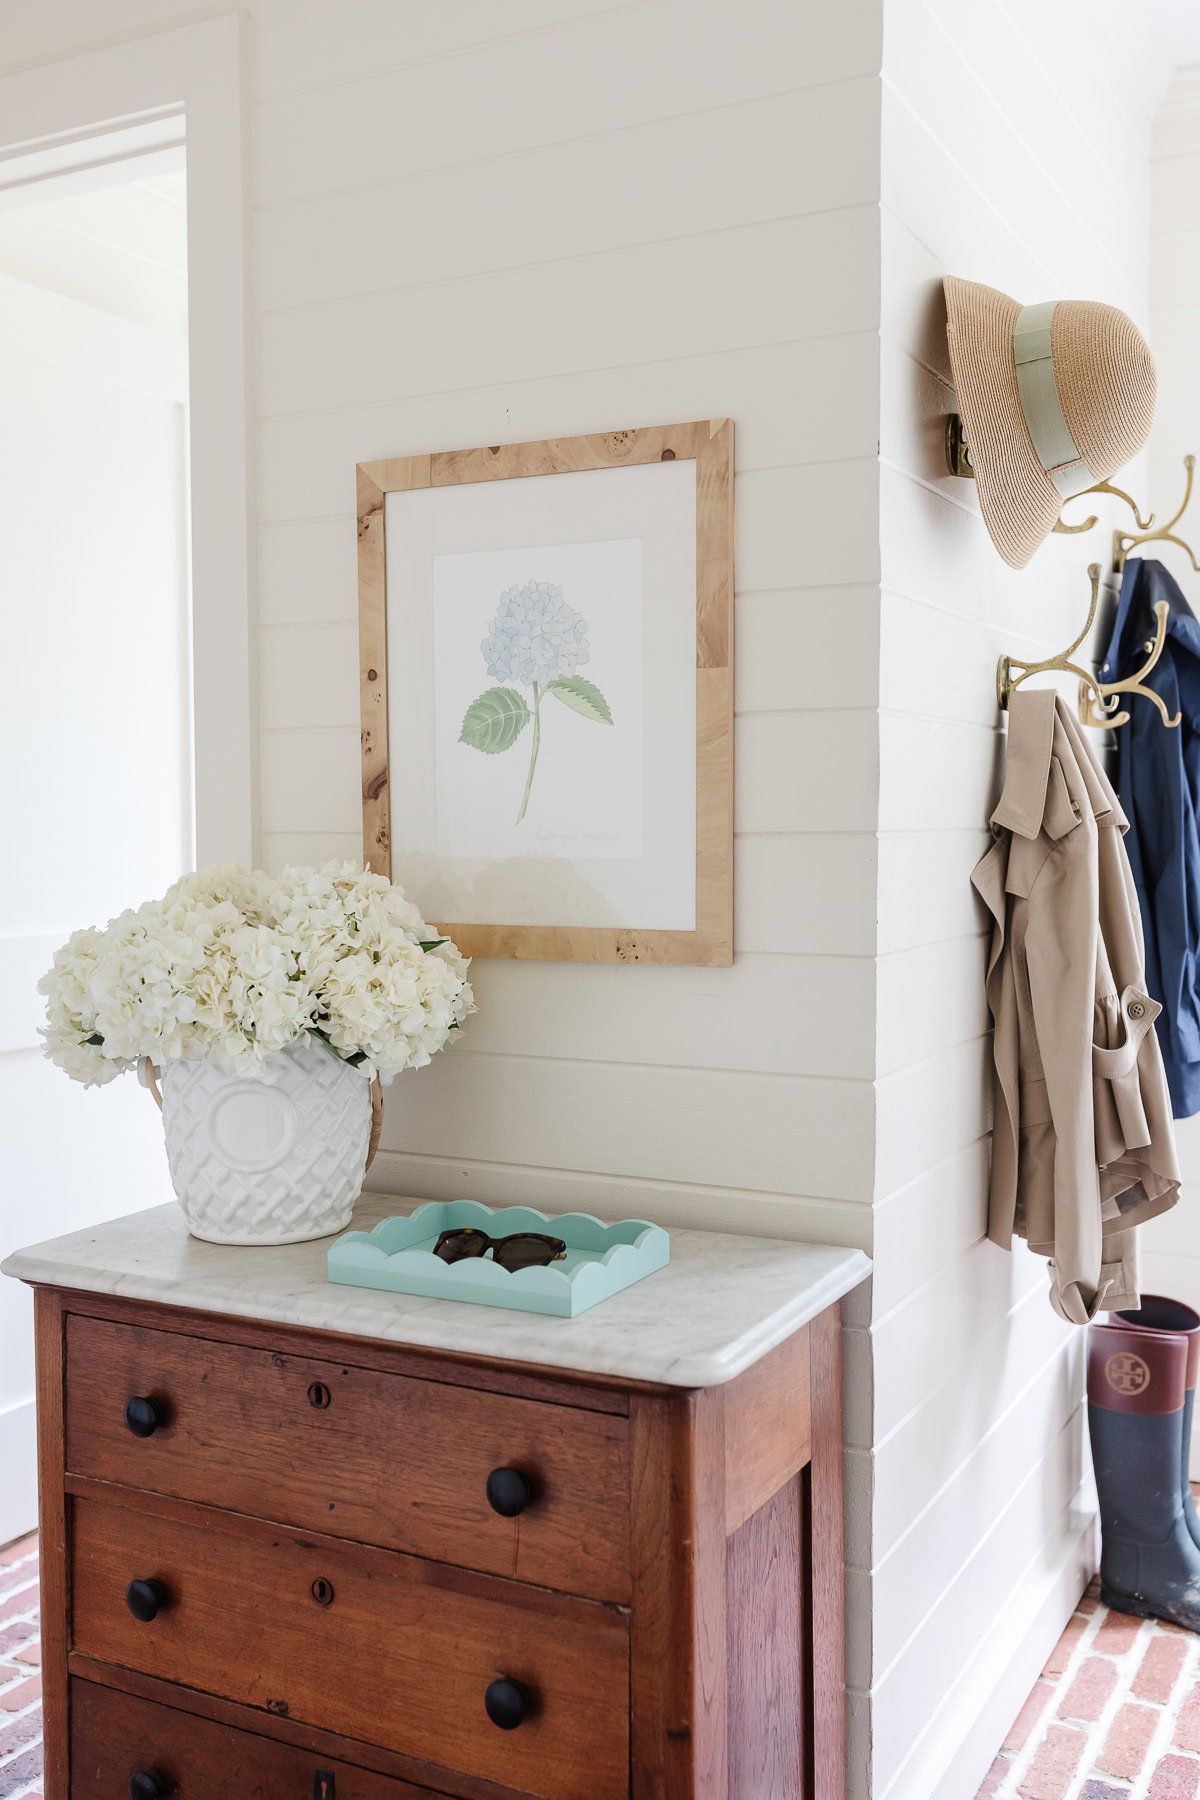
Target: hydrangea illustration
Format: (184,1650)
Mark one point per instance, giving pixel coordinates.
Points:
(539,640)
(535,636)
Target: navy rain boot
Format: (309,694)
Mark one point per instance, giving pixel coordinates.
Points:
(1149,1564)
(1157,1313)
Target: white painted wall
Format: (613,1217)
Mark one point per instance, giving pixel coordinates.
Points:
(120,247)
(1015,152)
(95,730)
(1171,1263)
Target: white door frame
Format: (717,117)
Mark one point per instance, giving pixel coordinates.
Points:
(197,69)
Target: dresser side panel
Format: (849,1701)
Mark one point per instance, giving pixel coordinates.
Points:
(765,1603)
(826,1613)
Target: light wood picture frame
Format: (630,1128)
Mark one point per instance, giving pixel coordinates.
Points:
(707,445)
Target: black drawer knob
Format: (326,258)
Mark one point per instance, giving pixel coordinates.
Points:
(149,1784)
(508,1704)
(145,1599)
(509,1492)
(143,1416)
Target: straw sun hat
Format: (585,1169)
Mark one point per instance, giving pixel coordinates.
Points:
(1053,397)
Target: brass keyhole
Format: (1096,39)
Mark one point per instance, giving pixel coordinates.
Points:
(322,1591)
(319,1395)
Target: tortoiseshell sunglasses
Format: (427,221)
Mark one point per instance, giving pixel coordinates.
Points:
(520,1250)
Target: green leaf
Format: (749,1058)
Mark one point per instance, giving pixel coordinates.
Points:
(432,943)
(356,1057)
(583,697)
(495,721)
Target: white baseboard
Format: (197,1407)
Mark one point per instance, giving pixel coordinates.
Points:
(1017,1642)
(18,1459)
(1194,1464)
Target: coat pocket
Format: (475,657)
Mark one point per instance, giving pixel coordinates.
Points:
(1120,1113)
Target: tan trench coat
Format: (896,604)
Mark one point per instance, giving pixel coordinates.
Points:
(1083,1147)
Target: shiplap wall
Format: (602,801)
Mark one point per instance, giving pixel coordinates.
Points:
(1171,1258)
(602,215)
(1013,143)
(474,224)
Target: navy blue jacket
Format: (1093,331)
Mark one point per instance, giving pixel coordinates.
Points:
(1158,779)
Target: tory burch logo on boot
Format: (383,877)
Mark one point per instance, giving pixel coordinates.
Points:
(1127,1373)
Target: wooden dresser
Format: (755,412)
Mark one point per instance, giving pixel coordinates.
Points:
(312,1543)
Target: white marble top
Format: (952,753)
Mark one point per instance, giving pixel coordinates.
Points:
(721,1303)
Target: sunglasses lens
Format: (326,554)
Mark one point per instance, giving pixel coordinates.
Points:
(528,1250)
(454,1246)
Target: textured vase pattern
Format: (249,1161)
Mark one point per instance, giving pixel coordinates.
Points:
(254,1162)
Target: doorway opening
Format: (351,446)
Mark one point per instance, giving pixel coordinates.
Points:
(96,731)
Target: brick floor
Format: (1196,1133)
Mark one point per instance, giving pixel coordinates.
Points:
(20,1683)
(1127,1740)
(1091,1689)
(1175,1778)
(1158,1675)
(1115,1715)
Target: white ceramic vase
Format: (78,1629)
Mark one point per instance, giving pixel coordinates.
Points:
(267,1162)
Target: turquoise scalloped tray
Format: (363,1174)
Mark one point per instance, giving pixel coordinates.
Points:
(601,1259)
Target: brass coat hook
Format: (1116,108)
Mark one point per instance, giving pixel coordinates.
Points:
(958,461)
(1007,681)
(1107,487)
(1109,692)
(1098,701)
(1125,541)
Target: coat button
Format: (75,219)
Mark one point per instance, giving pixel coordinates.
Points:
(1136,1009)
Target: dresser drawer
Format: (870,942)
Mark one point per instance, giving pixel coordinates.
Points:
(370,1645)
(115,1737)
(387,1459)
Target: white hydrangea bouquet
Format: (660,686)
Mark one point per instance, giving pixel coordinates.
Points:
(273,1007)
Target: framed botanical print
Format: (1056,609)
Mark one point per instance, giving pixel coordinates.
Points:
(546,638)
